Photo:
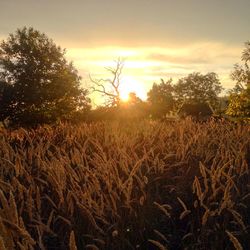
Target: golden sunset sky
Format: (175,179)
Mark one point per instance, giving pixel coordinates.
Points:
(157,38)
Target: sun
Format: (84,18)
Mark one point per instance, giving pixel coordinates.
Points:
(124,97)
(130,84)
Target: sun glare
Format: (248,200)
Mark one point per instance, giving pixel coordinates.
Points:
(130,84)
(124,97)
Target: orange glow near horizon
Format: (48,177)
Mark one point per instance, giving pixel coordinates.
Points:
(144,66)
(130,84)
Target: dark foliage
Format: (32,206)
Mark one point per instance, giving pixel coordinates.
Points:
(37,84)
(198,88)
(195,110)
(239,105)
(160,98)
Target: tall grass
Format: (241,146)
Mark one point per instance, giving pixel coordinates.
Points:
(142,185)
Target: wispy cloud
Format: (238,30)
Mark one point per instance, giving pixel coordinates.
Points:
(154,62)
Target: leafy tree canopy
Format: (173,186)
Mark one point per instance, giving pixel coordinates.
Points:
(37,84)
(198,88)
(241,73)
(160,97)
(239,105)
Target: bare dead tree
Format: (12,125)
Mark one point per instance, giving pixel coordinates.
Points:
(109,88)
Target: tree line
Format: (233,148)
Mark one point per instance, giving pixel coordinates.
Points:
(38,85)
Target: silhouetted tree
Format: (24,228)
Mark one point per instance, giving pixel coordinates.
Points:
(198,111)
(133,109)
(37,84)
(198,88)
(160,98)
(133,99)
(239,105)
(223,102)
(109,88)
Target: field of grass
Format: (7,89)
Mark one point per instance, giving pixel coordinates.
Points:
(142,185)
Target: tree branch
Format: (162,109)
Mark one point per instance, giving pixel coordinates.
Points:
(99,84)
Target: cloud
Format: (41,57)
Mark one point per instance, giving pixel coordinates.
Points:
(143,57)
(202,54)
(178,59)
(149,64)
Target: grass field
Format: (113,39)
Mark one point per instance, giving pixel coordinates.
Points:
(141,185)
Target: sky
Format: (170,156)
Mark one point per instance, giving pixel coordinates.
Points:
(156,38)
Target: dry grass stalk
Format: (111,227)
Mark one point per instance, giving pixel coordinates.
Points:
(107,174)
(235,241)
(72,241)
(157,244)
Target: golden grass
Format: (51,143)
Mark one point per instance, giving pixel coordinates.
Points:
(176,185)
